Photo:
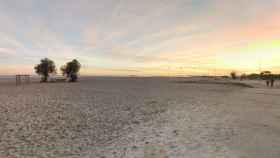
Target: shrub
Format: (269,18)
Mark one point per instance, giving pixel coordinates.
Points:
(233,75)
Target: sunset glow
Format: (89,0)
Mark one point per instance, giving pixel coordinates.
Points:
(181,37)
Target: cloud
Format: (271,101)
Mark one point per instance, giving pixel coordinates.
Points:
(7,52)
(133,34)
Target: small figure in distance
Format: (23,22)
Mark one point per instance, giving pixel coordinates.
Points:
(267,83)
(272,82)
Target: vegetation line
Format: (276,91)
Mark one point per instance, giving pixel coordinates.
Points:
(218,82)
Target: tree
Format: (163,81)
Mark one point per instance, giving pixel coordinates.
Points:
(253,76)
(266,75)
(71,70)
(45,68)
(233,75)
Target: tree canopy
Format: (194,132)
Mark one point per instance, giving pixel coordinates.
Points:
(71,70)
(266,75)
(45,68)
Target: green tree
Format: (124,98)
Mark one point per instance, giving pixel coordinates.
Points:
(71,70)
(45,68)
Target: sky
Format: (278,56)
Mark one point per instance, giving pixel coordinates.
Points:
(147,37)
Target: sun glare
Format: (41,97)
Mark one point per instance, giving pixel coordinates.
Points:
(251,58)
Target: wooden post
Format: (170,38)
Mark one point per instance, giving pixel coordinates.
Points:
(28,79)
(25,78)
(19,79)
(16,80)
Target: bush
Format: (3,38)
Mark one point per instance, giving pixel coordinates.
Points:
(233,75)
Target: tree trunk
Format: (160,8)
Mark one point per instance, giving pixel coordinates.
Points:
(44,79)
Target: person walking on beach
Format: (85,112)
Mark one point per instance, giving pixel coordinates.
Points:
(267,83)
(272,82)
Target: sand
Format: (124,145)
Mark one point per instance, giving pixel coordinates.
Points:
(139,117)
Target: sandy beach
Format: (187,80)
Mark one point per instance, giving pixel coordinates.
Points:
(133,117)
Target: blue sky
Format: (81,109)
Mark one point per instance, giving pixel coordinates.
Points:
(132,37)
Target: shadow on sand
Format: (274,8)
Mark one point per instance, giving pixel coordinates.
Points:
(238,84)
